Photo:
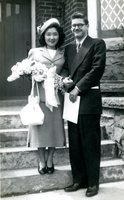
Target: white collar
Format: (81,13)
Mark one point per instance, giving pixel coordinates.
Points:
(81,42)
(52,52)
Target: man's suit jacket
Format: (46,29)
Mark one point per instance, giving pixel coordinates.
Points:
(86,69)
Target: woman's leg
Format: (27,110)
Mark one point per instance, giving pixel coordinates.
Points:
(41,157)
(51,151)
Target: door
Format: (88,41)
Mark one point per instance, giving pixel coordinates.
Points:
(15,42)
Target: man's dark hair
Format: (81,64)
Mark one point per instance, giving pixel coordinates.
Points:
(79,15)
(60,32)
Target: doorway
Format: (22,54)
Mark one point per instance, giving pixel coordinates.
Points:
(15,42)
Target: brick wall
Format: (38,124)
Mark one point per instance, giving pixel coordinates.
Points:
(46,9)
(72,6)
(62,10)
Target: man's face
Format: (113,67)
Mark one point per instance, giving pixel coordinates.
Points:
(79,28)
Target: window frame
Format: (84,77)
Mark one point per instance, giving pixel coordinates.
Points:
(107,33)
(94,17)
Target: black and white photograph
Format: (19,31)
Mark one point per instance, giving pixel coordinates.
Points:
(61,99)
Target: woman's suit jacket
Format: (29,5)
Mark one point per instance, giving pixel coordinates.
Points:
(86,69)
(42,55)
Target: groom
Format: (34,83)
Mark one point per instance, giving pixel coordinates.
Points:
(85,63)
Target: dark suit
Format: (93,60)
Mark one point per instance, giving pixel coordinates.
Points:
(86,69)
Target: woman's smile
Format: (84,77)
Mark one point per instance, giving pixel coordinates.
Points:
(51,37)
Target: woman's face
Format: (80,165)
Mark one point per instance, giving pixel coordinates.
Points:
(51,37)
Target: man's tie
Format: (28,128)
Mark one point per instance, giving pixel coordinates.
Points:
(78,47)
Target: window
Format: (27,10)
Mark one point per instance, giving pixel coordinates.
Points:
(111,14)
(106,18)
(8,10)
(17,9)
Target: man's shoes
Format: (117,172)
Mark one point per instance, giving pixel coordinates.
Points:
(74,187)
(92,191)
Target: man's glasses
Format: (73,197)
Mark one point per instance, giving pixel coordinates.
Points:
(78,25)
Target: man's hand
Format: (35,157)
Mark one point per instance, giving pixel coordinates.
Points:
(67,82)
(73,95)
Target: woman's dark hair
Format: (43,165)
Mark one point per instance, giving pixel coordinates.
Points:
(79,15)
(60,32)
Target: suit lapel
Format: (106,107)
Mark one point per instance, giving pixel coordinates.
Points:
(81,55)
(73,50)
(46,54)
(59,54)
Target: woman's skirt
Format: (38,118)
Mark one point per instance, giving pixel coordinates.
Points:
(51,133)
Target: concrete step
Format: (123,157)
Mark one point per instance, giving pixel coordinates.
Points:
(20,158)
(18,137)
(107,124)
(13,137)
(107,119)
(11,119)
(24,157)
(107,191)
(5,104)
(15,182)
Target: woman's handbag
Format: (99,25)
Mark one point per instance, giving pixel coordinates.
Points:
(31,114)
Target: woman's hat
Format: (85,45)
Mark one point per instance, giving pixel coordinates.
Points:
(49,22)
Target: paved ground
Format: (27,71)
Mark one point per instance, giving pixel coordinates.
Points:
(109,191)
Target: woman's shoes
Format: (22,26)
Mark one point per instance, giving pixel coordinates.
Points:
(45,169)
(42,170)
(50,170)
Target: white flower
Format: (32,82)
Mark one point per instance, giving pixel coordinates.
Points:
(28,67)
(13,77)
(39,78)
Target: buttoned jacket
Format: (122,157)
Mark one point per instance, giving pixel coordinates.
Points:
(86,69)
(42,55)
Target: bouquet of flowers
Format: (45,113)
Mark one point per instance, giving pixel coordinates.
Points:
(28,67)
